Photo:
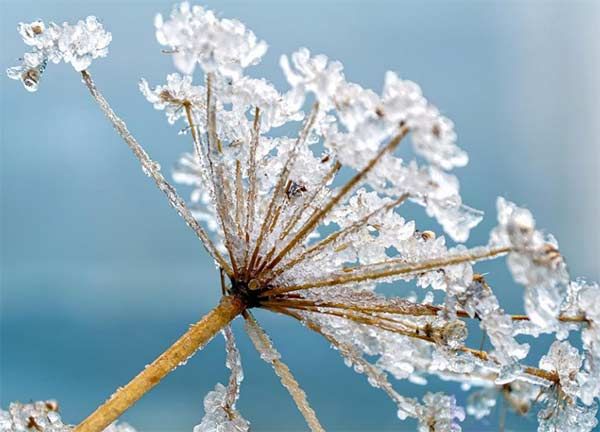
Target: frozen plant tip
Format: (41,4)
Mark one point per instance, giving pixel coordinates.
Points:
(309,225)
(77,44)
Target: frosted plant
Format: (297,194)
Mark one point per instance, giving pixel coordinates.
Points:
(293,233)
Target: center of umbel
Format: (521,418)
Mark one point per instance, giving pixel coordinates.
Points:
(246,292)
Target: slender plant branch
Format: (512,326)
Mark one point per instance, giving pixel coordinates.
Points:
(550,376)
(361,274)
(376,376)
(186,346)
(281,182)
(152,169)
(309,201)
(216,177)
(268,353)
(406,308)
(336,236)
(252,187)
(357,178)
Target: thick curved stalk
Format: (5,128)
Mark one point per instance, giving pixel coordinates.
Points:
(185,347)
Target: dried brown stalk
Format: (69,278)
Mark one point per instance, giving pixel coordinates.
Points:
(186,346)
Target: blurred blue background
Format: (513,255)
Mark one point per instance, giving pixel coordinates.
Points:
(99,275)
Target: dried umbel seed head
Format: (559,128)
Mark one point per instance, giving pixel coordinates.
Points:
(293,237)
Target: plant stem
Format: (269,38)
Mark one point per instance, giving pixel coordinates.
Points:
(185,347)
(152,169)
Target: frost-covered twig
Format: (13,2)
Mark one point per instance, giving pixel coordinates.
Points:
(269,354)
(152,169)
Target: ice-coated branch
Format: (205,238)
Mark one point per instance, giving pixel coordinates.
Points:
(275,202)
(268,353)
(419,333)
(337,236)
(152,169)
(186,346)
(377,378)
(392,268)
(356,179)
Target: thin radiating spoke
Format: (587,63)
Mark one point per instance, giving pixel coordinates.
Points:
(316,218)
(268,353)
(550,376)
(336,236)
(152,169)
(376,376)
(383,270)
(281,182)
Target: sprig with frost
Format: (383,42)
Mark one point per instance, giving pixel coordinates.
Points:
(261,201)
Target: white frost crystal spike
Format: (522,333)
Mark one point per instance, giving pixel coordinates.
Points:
(566,361)
(77,44)
(196,36)
(172,96)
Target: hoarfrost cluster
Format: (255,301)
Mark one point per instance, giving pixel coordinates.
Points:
(308,225)
(77,44)
(42,416)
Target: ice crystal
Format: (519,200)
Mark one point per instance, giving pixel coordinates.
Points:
(534,262)
(217,418)
(292,235)
(197,36)
(438,414)
(77,44)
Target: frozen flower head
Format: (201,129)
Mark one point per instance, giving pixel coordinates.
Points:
(196,35)
(565,360)
(299,196)
(77,44)
(563,410)
(174,95)
(534,261)
(42,416)
(218,417)
(315,75)
(439,414)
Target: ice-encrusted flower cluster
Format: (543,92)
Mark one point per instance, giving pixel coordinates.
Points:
(439,412)
(534,261)
(77,44)
(217,417)
(309,223)
(42,416)
(196,36)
